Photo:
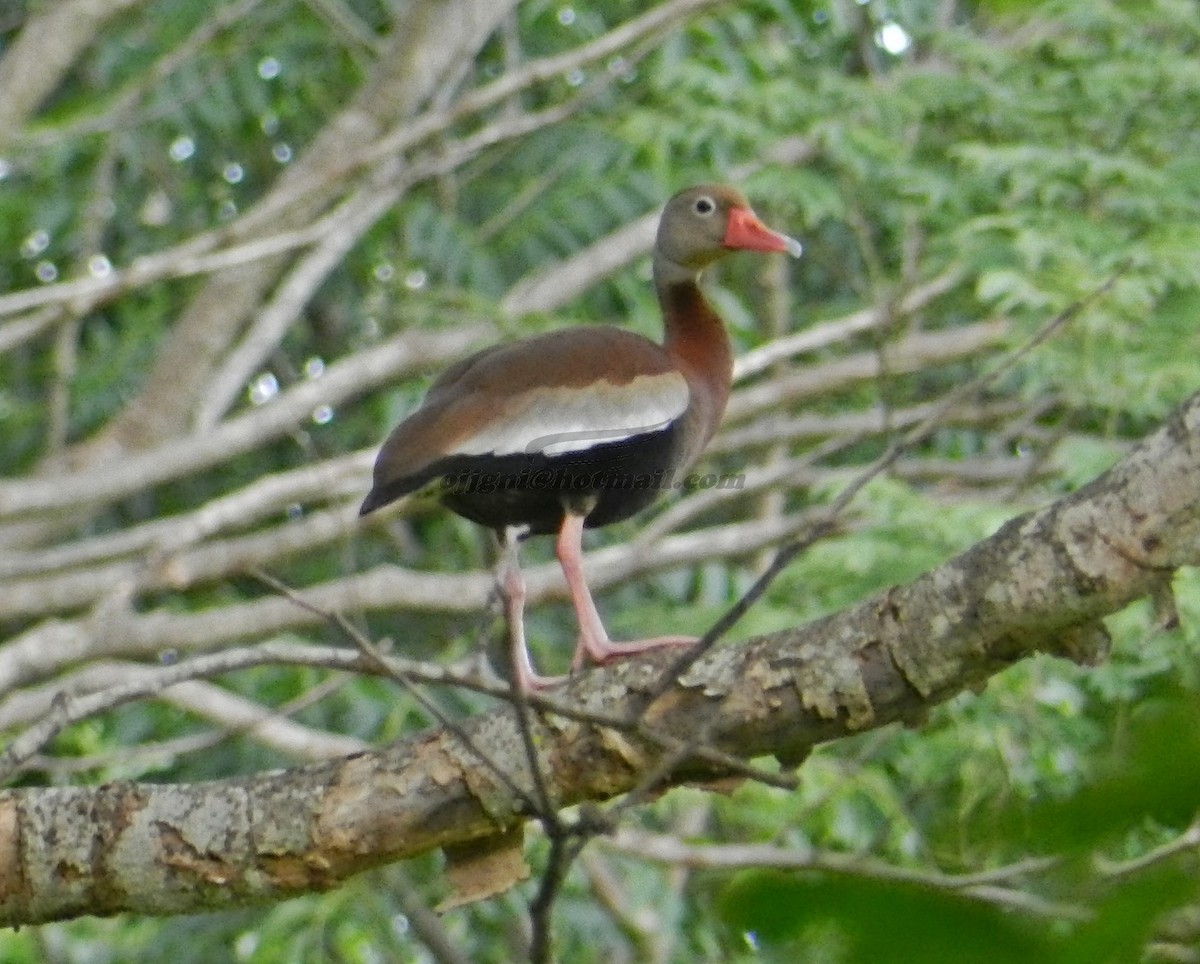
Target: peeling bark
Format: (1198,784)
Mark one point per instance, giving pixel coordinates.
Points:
(1040,584)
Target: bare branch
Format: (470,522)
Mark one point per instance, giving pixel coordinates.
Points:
(45,49)
(115,630)
(993,886)
(831,332)
(912,353)
(768,429)
(664,849)
(67,708)
(1184,842)
(434,38)
(347,378)
(335,479)
(1040,583)
(551,287)
(222,707)
(118,112)
(354,218)
(269,727)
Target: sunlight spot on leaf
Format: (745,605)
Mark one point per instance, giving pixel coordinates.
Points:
(620,68)
(182,148)
(264,388)
(245,945)
(1061,695)
(35,244)
(893,38)
(1066,761)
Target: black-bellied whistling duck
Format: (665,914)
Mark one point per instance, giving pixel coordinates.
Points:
(582,427)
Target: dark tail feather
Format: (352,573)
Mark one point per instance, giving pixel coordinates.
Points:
(381,495)
(372,502)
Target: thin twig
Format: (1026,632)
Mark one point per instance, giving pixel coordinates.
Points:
(331,745)
(45,648)
(1188,840)
(66,710)
(377,659)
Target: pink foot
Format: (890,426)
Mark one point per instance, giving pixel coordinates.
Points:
(604,652)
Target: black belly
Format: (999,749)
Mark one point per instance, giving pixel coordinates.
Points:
(608,483)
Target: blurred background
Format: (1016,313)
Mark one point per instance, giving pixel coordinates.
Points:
(239,238)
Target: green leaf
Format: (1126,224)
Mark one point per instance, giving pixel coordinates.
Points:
(867,919)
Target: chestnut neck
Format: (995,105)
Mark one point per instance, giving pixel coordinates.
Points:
(694,335)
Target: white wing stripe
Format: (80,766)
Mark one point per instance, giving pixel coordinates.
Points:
(561,442)
(554,421)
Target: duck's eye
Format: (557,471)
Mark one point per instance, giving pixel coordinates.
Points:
(704,206)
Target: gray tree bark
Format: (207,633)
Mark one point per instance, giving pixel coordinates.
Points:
(1040,584)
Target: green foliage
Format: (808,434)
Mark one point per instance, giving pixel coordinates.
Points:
(1136,794)
(787,916)
(1041,147)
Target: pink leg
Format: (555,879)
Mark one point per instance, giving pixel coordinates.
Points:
(594,643)
(512,591)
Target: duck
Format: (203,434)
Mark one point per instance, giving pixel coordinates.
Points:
(582,427)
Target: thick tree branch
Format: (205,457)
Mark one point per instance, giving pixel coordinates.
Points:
(1039,584)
